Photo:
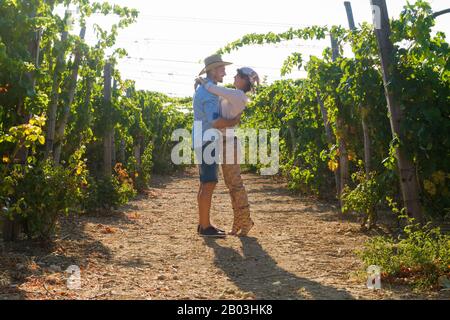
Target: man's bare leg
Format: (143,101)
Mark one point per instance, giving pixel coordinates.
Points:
(204,198)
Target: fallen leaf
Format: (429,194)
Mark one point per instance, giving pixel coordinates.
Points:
(108,230)
(134,215)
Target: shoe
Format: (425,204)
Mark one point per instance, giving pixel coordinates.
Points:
(210,232)
(220,230)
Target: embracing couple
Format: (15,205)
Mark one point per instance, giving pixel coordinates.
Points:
(220,108)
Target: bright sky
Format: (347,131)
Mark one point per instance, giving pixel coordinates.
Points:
(171,38)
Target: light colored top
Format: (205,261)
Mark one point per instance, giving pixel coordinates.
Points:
(233,101)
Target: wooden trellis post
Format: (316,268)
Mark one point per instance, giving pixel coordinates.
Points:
(407,169)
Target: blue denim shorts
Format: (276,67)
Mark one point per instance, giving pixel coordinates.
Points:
(208,172)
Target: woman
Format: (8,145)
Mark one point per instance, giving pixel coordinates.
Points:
(233,103)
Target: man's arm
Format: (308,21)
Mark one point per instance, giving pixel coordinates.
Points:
(210,108)
(222,123)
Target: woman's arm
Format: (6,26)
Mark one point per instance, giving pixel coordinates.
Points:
(236,97)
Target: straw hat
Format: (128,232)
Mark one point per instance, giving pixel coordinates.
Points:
(212,62)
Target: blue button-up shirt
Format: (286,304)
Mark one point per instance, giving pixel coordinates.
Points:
(206,111)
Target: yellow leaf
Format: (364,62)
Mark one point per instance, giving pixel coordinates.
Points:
(41,139)
(5,159)
(333,165)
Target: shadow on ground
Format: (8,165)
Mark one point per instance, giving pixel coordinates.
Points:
(257,272)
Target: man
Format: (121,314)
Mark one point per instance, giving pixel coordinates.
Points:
(207,113)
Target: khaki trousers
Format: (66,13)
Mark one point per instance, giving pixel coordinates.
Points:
(232,176)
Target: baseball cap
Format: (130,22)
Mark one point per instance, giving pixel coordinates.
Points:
(251,74)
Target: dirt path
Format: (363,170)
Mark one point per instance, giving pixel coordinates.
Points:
(299,249)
